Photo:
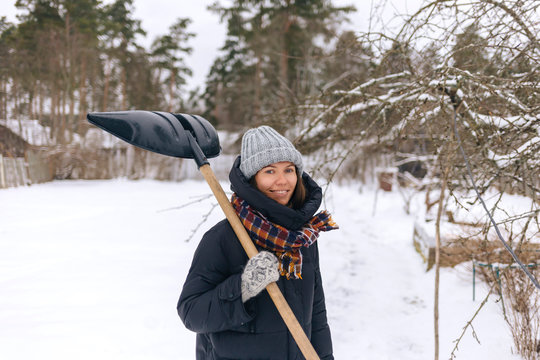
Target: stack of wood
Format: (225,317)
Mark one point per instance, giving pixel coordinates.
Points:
(456,249)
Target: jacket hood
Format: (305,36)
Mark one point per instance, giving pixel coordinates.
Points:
(292,219)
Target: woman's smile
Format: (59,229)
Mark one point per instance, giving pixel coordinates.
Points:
(281,196)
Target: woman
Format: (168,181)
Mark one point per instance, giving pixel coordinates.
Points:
(223,299)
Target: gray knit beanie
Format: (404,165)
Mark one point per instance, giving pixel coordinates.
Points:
(263,146)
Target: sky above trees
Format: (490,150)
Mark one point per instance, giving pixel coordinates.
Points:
(157,15)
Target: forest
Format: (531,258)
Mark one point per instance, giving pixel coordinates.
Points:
(447,104)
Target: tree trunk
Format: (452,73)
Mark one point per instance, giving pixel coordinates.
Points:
(437,260)
(157,85)
(40,101)
(106,85)
(171,91)
(16,101)
(82,91)
(257,100)
(69,68)
(3,95)
(284,58)
(62,132)
(31,99)
(283,65)
(124,89)
(93,96)
(71,115)
(54,112)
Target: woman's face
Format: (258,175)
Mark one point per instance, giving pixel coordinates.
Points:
(277,181)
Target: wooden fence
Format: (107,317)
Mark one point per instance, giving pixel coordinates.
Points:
(69,162)
(32,169)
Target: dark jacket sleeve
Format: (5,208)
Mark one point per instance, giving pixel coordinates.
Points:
(320,331)
(211,298)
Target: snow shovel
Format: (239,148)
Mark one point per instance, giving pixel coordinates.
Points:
(193,137)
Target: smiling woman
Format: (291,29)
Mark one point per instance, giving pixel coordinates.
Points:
(222,299)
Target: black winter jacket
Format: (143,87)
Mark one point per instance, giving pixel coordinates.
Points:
(211,305)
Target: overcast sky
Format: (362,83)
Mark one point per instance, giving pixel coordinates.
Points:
(158,15)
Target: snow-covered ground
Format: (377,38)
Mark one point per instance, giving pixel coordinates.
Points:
(93,270)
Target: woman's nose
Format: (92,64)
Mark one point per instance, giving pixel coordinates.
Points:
(280,178)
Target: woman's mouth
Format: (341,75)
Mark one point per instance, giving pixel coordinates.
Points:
(281,196)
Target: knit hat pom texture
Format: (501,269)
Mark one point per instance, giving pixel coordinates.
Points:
(263,146)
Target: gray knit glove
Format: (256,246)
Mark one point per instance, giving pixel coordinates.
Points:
(260,270)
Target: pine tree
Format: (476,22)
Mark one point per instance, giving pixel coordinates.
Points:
(271,59)
(6,37)
(470,50)
(168,53)
(119,30)
(39,45)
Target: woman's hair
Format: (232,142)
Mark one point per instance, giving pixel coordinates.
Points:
(299,194)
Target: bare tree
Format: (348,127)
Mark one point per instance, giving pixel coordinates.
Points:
(476,62)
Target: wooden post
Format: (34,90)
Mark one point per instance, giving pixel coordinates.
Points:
(2,175)
(21,165)
(273,290)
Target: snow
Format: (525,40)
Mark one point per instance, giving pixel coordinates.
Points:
(508,211)
(30,130)
(98,138)
(36,134)
(507,159)
(93,270)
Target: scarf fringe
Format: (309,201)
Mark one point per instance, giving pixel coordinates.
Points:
(294,270)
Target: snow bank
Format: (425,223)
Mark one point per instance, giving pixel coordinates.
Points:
(93,270)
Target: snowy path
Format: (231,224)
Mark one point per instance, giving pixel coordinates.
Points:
(383,299)
(93,270)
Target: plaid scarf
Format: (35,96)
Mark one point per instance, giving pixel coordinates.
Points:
(284,243)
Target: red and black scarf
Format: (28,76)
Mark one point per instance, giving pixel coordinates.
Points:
(284,243)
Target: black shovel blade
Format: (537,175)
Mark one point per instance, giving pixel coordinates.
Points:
(161,132)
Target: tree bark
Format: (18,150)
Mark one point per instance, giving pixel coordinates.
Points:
(62,132)
(106,84)
(171,91)
(54,113)
(82,90)
(40,100)
(69,68)
(437,260)
(257,100)
(284,58)
(3,95)
(124,89)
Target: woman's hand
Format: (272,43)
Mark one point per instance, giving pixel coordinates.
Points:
(260,270)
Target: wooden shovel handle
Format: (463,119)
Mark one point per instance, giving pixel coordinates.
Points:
(273,290)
